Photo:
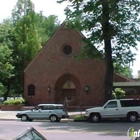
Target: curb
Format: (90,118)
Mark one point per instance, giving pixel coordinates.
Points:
(80,120)
(63,120)
(2,119)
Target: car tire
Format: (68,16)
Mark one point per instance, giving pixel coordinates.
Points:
(24,118)
(132,117)
(53,118)
(95,118)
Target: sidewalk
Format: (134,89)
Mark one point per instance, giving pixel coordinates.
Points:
(11,115)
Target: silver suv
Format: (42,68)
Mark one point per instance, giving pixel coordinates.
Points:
(53,112)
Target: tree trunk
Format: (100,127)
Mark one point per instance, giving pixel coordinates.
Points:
(7,92)
(108,80)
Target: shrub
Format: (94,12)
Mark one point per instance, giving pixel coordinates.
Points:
(14,101)
(118,93)
(79,117)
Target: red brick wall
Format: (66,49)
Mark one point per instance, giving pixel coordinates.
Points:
(51,64)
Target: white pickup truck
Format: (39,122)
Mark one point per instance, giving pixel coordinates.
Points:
(121,108)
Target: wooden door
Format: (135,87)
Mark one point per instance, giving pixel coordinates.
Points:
(71,96)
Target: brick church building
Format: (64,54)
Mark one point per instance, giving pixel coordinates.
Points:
(54,73)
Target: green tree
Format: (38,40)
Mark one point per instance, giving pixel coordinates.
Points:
(2,90)
(26,39)
(123,70)
(113,24)
(24,34)
(6,63)
(46,26)
(6,70)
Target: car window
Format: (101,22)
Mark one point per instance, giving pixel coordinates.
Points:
(48,107)
(39,107)
(130,103)
(58,107)
(111,104)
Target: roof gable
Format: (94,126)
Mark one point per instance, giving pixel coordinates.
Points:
(121,78)
(63,25)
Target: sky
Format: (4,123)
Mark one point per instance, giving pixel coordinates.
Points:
(51,7)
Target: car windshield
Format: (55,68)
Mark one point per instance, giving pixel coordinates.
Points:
(38,107)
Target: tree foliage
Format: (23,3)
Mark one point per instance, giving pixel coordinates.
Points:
(123,70)
(109,24)
(118,93)
(6,60)
(21,37)
(46,26)
(6,68)
(27,39)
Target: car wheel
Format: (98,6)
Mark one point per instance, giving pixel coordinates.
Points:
(53,118)
(132,117)
(24,118)
(95,117)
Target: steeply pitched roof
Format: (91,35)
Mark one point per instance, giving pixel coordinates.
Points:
(127,79)
(58,29)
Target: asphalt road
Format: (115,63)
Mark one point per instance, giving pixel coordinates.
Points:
(69,130)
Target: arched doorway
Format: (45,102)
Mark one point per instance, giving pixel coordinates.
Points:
(69,92)
(67,86)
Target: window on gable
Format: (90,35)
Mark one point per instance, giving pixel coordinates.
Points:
(31,90)
(67,50)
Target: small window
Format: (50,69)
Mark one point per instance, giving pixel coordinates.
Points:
(31,90)
(67,50)
(111,104)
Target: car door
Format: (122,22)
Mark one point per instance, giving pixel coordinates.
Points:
(43,112)
(110,110)
(34,114)
(47,111)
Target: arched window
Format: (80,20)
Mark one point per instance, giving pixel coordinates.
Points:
(31,90)
(69,85)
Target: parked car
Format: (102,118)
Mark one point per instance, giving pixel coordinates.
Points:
(53,112)
(121,108)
